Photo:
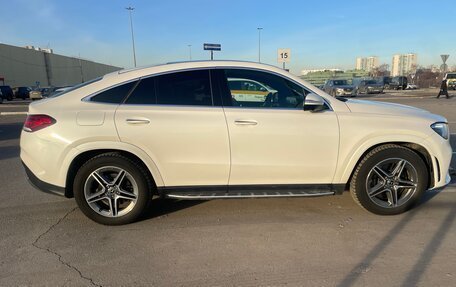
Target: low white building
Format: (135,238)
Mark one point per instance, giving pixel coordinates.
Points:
(305,72)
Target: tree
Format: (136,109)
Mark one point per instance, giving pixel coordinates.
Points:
(426,77)
(380,71)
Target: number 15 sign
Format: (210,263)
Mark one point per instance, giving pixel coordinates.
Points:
(283,55)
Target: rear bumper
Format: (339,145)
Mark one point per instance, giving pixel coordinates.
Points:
(41,185)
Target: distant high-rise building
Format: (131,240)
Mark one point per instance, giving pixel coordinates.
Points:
(403,64)
(366,64)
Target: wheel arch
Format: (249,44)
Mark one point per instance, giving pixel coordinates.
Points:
(420,150)
(85,155)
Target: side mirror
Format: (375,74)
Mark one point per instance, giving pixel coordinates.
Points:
(314,103)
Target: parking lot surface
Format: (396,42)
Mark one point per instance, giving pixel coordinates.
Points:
(325,241)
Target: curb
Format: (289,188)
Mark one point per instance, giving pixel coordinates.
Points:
(12,113)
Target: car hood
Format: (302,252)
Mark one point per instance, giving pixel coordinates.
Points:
(382,108)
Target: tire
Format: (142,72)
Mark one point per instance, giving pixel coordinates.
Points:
(375,192)
(131,195)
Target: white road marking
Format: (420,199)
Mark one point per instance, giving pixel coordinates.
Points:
(12,113)
(399,97)
(13,106)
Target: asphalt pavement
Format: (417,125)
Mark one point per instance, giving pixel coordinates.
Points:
(45,240)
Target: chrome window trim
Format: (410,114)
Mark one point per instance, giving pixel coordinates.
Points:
(87,98)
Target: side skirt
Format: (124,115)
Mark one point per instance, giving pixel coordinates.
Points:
(250,191)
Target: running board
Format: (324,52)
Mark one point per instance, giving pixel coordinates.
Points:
(250,191)
(203,196)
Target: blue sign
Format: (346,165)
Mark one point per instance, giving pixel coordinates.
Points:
(213,47)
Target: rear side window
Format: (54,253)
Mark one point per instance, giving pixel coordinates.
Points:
(184,88)
(114,95)
(144,93)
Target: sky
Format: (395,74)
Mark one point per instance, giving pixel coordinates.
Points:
(320,34)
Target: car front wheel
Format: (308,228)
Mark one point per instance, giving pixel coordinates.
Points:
(389,180)
(112,189)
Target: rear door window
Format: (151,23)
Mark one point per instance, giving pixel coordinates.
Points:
(144,93)
(191,88)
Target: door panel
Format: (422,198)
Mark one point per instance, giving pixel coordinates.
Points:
(189,145)
(179,127)
(273,140)
(284,147)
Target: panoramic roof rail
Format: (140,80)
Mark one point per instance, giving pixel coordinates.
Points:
(183,62)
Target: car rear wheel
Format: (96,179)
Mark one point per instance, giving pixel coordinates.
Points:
(389,180)
(112,189)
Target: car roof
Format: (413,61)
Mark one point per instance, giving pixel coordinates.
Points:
(175,66)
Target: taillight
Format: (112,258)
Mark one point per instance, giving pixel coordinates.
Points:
(34,123)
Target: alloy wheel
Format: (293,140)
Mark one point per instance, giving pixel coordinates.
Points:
(392,182)
(111,191)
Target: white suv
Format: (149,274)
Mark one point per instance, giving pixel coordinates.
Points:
(177,131)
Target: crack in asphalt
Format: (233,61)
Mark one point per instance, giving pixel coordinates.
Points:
(63,262)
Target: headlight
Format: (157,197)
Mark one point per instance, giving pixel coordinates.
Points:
(441,129)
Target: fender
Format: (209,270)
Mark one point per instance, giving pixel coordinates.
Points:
(112,145)
(347,161)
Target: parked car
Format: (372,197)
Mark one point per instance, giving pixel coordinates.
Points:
(451,81)
(175,131)
(385,81)
(367,87)
(338,88)
(23,92)
(36,94)
(7,92)
(248,92)
(42,92)
(398,83)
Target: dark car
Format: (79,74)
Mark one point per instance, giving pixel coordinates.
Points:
(7,92)
(385,81)
(338,88)
(368,87)
(23,92)
(398,83)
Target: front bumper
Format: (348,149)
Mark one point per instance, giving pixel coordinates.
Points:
(441,153)
(41,185)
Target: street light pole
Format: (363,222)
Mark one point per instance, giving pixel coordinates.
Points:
(259,44)
(130,9)
(190,51)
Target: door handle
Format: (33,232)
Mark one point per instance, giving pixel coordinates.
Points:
(245,122)
(137,121)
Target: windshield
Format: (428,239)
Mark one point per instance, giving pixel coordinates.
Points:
(75,87)
(340,83)
(451,76)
